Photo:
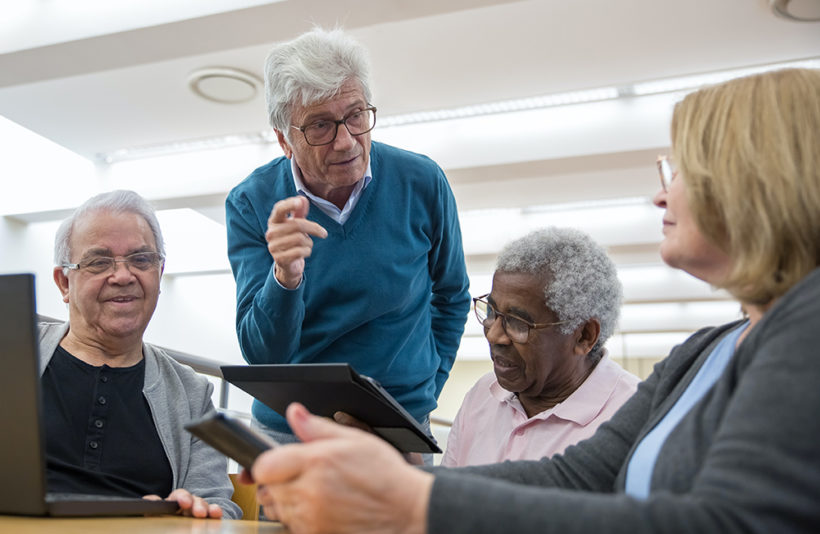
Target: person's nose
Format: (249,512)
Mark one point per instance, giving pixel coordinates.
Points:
(122,272)
(660,198)
(496,334)
(344,140)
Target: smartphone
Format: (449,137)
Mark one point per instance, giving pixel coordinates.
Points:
(231,437)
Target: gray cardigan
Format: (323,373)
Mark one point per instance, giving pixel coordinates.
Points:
(176,395)
(745,459)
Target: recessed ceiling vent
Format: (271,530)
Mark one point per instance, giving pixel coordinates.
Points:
(800,10)
(225,85)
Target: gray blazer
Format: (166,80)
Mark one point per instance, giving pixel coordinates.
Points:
(176,395)
(745,459)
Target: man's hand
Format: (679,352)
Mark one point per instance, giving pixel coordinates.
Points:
(289,241)
(190,505)
(340,479)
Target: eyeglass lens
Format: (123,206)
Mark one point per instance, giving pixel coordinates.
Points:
(141,261)
(516,329)
(666,173)
(325,131)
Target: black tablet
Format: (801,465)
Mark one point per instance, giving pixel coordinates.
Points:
(231,437)
(325,389)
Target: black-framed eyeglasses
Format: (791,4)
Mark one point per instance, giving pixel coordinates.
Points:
(138,261)
(323,132)
(667,172)
(517,329)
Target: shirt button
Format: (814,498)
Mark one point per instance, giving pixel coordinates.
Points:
(93,444)
(99,423)
(101,400)
(104,378)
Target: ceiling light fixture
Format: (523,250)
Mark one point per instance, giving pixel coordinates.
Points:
(799,10)
(224,85)
(192,145)
(504,106)
(681,83)
(588,205)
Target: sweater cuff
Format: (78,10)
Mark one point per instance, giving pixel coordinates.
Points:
(273,274)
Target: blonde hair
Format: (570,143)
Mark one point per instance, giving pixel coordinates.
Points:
(749,151)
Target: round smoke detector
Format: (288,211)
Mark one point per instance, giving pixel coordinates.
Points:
(225,85)
(799,10)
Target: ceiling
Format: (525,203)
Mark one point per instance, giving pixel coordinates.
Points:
(98,93)
(95,77)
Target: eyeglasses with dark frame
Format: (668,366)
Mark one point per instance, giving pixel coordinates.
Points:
(517,329)
(139,261)
(667,172)
(324,131)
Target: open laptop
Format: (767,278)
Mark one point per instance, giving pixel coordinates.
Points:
(22,447)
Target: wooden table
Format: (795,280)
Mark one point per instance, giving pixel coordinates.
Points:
(135,525)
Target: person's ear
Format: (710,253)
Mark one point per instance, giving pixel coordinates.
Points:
(283,142)
(61,280)
(586,336)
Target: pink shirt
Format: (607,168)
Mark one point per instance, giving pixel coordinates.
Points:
(492,426)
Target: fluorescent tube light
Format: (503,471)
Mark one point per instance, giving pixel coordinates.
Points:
(505,106)
(193,145)
(700,80)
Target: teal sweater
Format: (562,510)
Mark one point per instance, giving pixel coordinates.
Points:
(386,292)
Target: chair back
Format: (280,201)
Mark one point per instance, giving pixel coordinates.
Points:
(244,495)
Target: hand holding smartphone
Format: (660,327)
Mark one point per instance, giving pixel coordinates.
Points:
(231,437)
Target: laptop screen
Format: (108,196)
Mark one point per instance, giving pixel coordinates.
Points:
(22,448)
(22,455)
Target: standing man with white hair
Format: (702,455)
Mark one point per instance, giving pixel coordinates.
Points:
(114,406)
(344,250)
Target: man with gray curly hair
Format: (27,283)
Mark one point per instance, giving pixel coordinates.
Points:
(344,250)
(555,301)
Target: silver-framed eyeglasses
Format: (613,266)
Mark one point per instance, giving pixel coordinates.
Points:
(517,329)
(324,131)
(667,172)
(138,261)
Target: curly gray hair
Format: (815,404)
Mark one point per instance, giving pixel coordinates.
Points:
(582,282)
(309,69)
(120,201)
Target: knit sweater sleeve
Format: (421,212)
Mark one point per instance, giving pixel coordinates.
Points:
(207,469)
(177,395)
(451,298)
(268,317)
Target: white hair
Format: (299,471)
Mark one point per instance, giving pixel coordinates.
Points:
(120,201)
(581,281)
(311,68)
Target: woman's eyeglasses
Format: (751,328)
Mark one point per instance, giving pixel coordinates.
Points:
(667,172)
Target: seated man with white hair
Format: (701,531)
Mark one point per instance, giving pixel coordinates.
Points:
(554,302)
(114,406)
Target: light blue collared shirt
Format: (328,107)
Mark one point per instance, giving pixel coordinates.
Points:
(330,209)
